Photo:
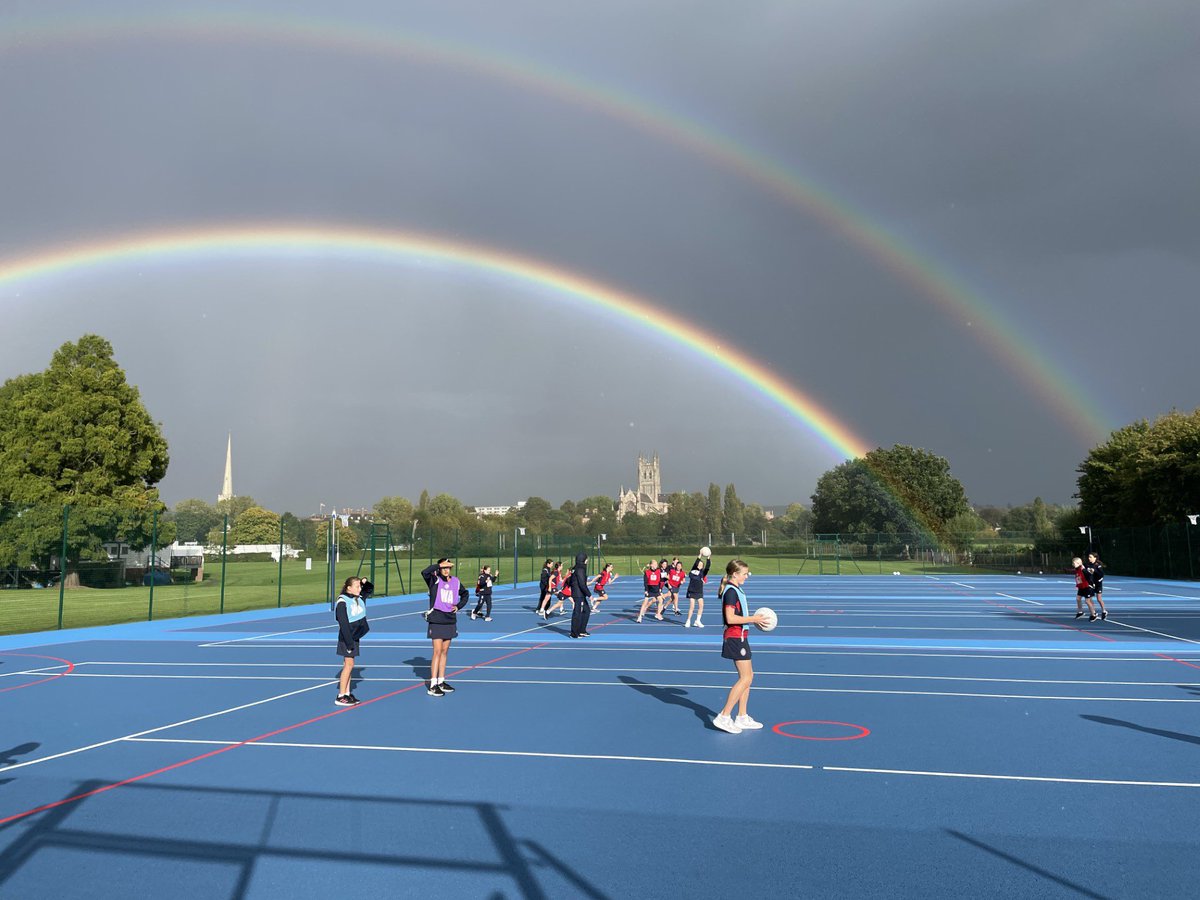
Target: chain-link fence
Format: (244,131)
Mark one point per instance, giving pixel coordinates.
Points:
(70,567)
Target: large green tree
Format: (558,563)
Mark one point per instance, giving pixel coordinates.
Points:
(255,526)
(396,512)
(733,511)
(78,435)
(712,512)
(896,491)
(1145,473)
(194,519)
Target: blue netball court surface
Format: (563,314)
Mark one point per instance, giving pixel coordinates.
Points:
(926,737)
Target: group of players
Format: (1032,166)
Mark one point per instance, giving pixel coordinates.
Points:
(1089,583)
(661,584)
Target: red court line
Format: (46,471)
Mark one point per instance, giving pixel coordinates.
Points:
(261,737)
(70,668)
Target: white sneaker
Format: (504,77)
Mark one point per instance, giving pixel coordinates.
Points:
(727,724)
(472,614)
(699,624)
(687,624)
(638,620)
(745,723)
(657,616)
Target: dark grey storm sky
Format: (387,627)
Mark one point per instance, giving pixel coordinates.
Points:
(1041,154)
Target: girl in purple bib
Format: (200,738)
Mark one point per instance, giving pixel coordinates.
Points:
(446,597)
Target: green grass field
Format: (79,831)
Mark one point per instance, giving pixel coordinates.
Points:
(256,585)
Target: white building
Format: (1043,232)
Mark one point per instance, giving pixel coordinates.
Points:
(481,511)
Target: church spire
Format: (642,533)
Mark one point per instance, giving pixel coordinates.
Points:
(227,486)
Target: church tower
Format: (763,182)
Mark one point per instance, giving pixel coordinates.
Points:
(227,486)
(649,478)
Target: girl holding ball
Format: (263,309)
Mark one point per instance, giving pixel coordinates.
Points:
(736,646)
(695,589)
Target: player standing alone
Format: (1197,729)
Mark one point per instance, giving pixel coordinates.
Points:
(736,646)
(442,617)
(483,590)
(351,614)
(695,589)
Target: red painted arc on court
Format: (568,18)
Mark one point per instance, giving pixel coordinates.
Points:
(66,662)
(862,731)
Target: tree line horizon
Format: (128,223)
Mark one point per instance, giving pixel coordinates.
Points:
(77,435)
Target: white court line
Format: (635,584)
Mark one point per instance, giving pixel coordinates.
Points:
(545,624)
(1149,631)
(1022,599)
(625,670)
(331,626)
(833,650)
(970,586)
(1176,596)
(596,756)
(40,671)
(1042,778)
(42,759)
(664,759)
(907,628)
(816,690)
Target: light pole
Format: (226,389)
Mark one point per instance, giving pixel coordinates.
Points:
(1187,529)
(516,531)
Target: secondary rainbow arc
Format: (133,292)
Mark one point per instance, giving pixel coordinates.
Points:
(1050,382)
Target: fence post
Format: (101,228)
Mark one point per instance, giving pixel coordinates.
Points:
(153,561)
(279,579)
(224,554)
(62,565)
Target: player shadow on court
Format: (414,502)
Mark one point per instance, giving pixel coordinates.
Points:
(421,666)
(11,756)
(672,697)
(1133,726)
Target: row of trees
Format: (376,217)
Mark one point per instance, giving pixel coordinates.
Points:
(77,435)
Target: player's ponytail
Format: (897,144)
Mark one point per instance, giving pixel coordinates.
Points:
(732,568)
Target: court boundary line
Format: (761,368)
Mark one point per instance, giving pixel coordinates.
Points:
(145,775)
(707,762)
(617,670)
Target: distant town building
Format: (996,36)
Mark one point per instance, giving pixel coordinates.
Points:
(648,498)
(481,511)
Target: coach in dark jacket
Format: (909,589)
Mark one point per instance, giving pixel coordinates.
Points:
(580,595)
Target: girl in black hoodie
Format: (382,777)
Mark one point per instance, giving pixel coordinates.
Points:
(579,595)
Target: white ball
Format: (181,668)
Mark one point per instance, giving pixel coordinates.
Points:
(772,619)
(706,552)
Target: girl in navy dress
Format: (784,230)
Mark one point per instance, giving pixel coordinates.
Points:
(446,597)
(351,614)
(736,646)
(695,590)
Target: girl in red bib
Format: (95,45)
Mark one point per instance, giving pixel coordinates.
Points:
(736,646)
